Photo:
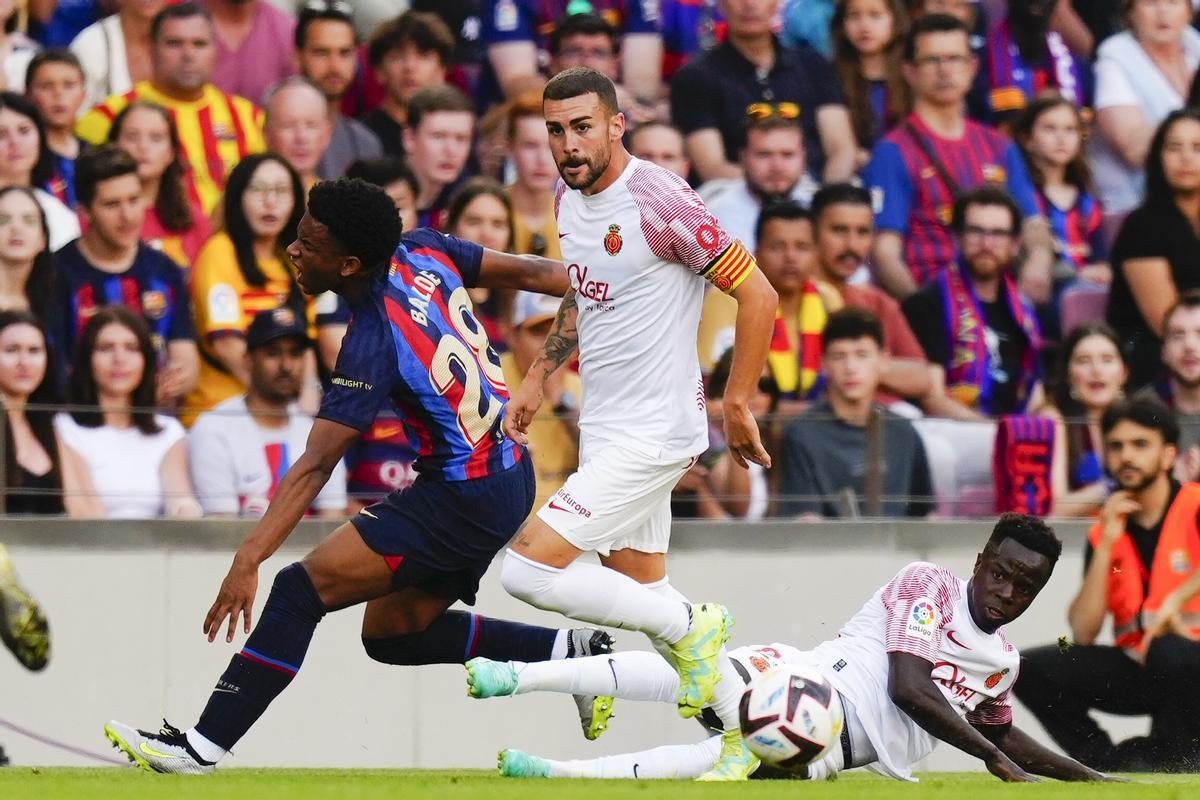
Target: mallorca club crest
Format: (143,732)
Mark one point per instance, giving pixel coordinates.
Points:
(612,240)
(994,678)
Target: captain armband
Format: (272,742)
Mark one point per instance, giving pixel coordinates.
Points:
(728,270)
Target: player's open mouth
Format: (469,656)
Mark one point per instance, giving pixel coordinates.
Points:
(993,613)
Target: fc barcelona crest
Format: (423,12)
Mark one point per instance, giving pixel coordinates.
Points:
(612,240)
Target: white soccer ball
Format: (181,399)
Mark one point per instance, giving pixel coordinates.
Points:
(791,716)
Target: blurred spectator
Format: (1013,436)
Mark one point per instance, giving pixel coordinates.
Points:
(243,270)
(464,20)
(554,431)
(916,171)
(54,84)
(1091,377)
(481,212)
(253,39)
(660,143)
(216,130)
(62,20)
(32,457)
(298,127)
(973,15)
(1157,253)
(16,49)
(1101,19)
(1050,132)
(135,459)
(842,226)
(326,50)
(1025,58)
(240,450)
(1144,546)
(407,53)
(1142,75)
(115,51)
(26,161)
(1180,387)
(110,264)
(590,40)
(772,162)
(441,122)
(972,321)
(532,192)
(27,274)
(809,23)
(394,175)
(834,451)
(175,223)
(515,33)
(711,95)
(687,27)
(868,49)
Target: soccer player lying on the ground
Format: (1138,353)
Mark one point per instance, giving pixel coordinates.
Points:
(924,660)
(23,626)
(640,245)
(413,340)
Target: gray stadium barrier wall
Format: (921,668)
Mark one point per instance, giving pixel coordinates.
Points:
(126,602)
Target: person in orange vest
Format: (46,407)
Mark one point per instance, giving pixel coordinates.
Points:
(1141,568)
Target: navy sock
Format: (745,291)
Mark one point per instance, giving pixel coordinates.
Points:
(267,663)
(457,636)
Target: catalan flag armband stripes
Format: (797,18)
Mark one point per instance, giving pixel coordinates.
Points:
(729,269)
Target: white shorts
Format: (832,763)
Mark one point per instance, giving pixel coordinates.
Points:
(618,499)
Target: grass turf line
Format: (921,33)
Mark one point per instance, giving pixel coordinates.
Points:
(19,783)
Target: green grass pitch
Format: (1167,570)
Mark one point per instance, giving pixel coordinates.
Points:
(19,783)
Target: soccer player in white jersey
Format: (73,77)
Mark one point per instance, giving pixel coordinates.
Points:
(638,245)
(924,660)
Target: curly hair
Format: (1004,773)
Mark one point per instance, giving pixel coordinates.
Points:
(360,216)
(1028,531)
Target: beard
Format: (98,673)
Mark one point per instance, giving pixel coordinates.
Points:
(595,168)
(1183,380)
(1139,484)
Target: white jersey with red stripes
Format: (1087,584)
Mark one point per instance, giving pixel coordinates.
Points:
(636,253)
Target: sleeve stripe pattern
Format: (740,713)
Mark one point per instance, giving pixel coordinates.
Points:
(675,222)
(729,269)
(992,712)
(918,581)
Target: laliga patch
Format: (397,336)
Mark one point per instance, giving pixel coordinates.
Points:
(923,618)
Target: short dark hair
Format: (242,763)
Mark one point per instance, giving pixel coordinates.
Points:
(43,169)
(852,322)
(1148,412)
(578,81)
(988,194)
(1027,531)
(788,210)
(589,24)
(360,216)
(928,24)
(185,10)
(1186,300)
(432,99)
(383,171)
(422,29)
(52,55)
(836,194)
(97,165)
(318,10)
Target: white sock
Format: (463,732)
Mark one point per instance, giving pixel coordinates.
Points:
(664,588)
(559,648)
(204,747)
(629,675)
(595,594)
(670,761)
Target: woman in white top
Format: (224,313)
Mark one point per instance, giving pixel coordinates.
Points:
(25,160)
(136,459)
(1142,74)
(115,52)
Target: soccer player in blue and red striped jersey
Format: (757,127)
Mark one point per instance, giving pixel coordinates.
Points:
(936,153)
(413,341)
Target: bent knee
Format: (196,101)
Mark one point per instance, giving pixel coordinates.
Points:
(526,580)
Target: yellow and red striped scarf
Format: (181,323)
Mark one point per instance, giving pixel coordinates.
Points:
(798,373)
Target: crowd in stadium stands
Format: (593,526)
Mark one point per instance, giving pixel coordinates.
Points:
(982,220)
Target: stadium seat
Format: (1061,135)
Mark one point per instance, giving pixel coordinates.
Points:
(1084,302)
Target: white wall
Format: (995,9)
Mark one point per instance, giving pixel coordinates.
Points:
(126,602)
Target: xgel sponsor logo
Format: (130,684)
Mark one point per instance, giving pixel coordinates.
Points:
(591,289)
(569,504)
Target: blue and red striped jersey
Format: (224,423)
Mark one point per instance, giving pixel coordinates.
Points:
(1077,235)
(912,197)
(414,340)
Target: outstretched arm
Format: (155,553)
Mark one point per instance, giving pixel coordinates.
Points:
(1033,757)
(532,273)
(560,345)
(911,688)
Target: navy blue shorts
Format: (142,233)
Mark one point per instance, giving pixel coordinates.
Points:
(441,536)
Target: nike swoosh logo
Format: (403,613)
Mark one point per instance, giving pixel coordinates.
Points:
(557,507)
(950,635)
(635,768)
(368,513)
(563,235)
(613,670)
(226,691)
(150,751)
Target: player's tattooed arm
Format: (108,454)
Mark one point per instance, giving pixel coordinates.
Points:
(562,341)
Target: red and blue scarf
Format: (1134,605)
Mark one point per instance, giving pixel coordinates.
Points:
(1012,82)
(1021,464)
(969,372)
